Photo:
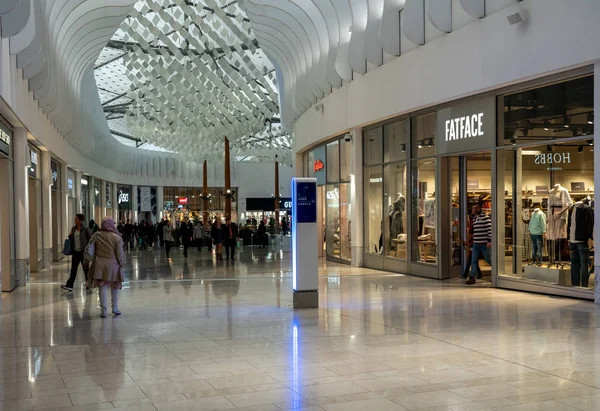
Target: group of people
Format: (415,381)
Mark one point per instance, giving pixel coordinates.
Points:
(210,234)
(143,234)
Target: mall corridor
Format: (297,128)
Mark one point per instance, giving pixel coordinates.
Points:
(197,335)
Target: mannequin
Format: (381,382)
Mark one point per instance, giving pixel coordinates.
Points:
(396,216)
(537,230)
(580,229)
(559,201)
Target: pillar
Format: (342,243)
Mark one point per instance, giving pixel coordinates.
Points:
(91,198)
(276,197)
(356,198)
(103,201)
(115,202)
(64,200)
(204,194)
(227,181)
(21,163)
(134,204)
(46,209)
(160,203)
(596,171)
(78,196)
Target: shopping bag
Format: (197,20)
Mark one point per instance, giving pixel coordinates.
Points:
(238,244)
(67,247)
(90,249)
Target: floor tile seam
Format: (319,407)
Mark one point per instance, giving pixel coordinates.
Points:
(465,348)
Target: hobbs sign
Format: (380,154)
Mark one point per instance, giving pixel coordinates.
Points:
(552,159)
(464,127)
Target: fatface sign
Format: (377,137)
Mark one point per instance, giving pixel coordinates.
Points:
(467,126)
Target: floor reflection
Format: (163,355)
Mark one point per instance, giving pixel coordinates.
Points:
(197,334)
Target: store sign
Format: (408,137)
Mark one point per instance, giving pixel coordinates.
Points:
(70,183)
(541,190)
(553,161)
(287,204)
(333,194)
(376,180)
(318,166)
(467,126)
(5,138)
(33,156)
(472,184)
(577,186)
(183,200)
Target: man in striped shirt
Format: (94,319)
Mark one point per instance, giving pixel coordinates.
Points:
(482,240)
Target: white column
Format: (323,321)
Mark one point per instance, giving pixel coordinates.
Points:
(356,197)
(115,202)
(91,198)
(78,197)
(67,219)
(47,208)
(596,170)
(21,163)
(103,200)
(134,204)
(160,202)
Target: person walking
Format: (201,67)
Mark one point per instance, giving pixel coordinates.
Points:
(127,234)
(230,236)
(93,226)
(199,236)
(207,234)
(261,234)
(79,238)
(168,237)
(186,232)
(159,232)
(217,237)
(469,249)
(482,240)
(106,270)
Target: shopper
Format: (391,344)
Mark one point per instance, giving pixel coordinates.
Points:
(482,240)
(93,226)
(230,236)
(79,239)
(186,232)
(199,236)
(217,237)
(107,265)
(469,248)
(159,232)
(207,234)
(284,225)
(168,237)
(127,234)
(261,233)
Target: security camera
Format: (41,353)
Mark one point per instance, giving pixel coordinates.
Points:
(348,137)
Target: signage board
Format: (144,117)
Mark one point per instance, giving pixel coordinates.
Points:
(5,139)
(145,199)
(183,200)
(578,186)
(467,126)
(320,165)
(55,170)
(306,202)
(305,278)
(123,197)
(472,184)
(541,190)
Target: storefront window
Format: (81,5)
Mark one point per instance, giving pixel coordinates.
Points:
(373,221)
(333,162)
(345,222)
(423,135)
(394,177)
(424,246)
(333,234)
(345,160)
(548,212)
(395,139)
(558,111)
(372,147)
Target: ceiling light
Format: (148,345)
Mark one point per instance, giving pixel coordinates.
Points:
(430,144)
(567,122)
(531,152)
(546,125)
(514,141)
(419,145)
(591,142)
(403,148)
(590,118)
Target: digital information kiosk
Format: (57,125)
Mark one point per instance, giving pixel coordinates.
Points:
(305,264)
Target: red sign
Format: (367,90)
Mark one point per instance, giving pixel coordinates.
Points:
(183,200)
(318,166)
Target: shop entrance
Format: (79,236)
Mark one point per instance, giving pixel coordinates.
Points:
(470,184)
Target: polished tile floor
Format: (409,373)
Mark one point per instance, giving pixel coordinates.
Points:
(196,335)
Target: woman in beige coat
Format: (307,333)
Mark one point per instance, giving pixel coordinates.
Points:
(106,270)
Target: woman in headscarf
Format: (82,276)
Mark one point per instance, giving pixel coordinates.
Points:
(106,270)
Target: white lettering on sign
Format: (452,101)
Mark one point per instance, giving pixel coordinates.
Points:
(464,127)
(54,175)
(376,180)
(551,159)
(123,197)
(4,137)
(333,194)
(287,204)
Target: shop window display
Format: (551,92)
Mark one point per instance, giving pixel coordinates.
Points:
(373,222)
(424,135)
(333,234)
(424,245)
(548,216)
(395,227)
(345,222)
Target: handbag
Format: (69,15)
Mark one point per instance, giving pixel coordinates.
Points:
(67,247)
(90,249)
